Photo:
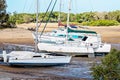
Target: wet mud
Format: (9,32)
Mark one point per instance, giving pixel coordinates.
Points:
(78,69)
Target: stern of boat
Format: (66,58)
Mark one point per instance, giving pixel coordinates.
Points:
(103,48)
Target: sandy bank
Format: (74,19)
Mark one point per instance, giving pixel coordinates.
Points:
(16,35)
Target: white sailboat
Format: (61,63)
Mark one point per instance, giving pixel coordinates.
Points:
(81,41)
(27,58)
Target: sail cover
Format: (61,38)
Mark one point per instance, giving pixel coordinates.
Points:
(80,31)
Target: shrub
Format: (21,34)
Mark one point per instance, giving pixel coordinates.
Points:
(19,21)
(101,23)
(109,69)
(8,24)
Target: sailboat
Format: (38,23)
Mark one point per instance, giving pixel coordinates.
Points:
(79,43)
(76,42)
(27,58)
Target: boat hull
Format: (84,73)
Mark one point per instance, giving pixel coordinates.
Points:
(26,58)
(74,50)
(37,64)
(41,61)
(103,48)
(64,48)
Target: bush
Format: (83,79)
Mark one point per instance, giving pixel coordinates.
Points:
(101,23)
(19,21)
(109,69)
(8,24)
(11,24)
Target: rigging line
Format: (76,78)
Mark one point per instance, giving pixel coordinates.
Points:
(48,18)
(75,6)
(31,6)
(45,13)
(59,16)
(24,5)
(60,11)
(91,5)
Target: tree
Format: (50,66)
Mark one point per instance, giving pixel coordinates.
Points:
(27,18)
(63,17)
(54,16)
(109,69)
(4,17)
(114,15)
(2,6)
(2,11)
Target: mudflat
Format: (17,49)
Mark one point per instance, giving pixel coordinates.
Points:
(16,36)
(109,34)
(78,69)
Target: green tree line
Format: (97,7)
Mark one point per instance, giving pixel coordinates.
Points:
(86,18)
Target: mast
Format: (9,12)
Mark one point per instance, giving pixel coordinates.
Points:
(59,20)
(36,41)
(68,19)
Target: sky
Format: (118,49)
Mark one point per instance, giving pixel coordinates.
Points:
(77,6)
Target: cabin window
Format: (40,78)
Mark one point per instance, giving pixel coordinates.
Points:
(91,44)
(54,54)
(70,39)
(37,56)
(80,36)
(50,42)
(54,31)
(62,35)
(74,36)
(85,38)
